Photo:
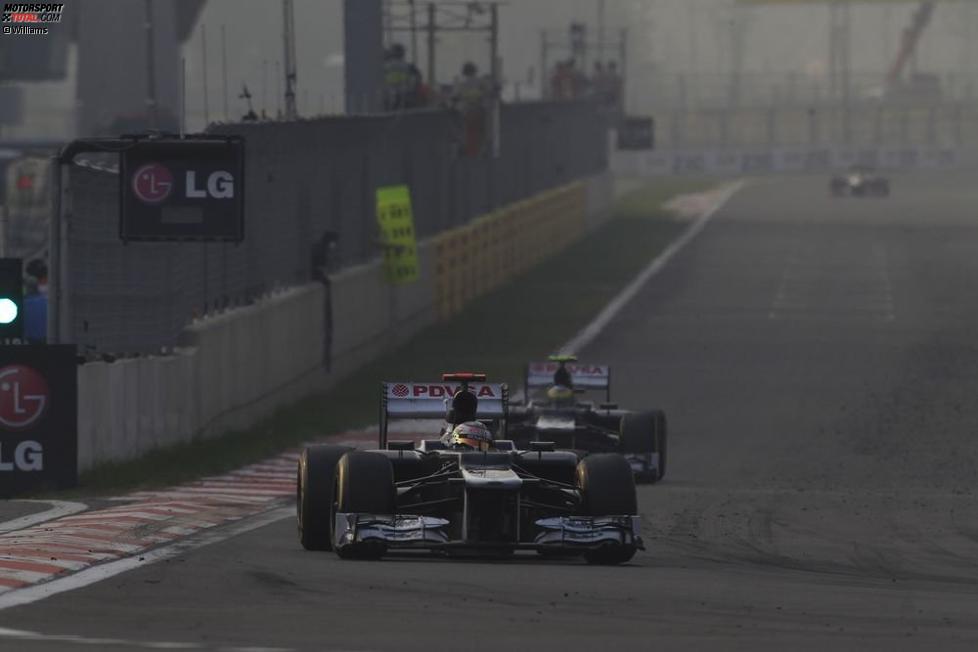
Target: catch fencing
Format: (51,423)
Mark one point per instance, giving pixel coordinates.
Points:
(305,180)
(788,126)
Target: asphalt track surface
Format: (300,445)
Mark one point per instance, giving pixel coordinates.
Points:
(817,359)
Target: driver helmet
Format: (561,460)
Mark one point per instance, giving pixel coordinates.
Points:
(563,377)
(560,394)
(471,434)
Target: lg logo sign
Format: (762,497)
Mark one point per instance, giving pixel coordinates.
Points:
(153,183)
(183,190)
(24,398)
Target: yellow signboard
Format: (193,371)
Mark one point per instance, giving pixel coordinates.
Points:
(396,222)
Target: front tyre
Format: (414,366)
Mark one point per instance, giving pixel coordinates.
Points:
(315,480)
(364,485)
(608,489)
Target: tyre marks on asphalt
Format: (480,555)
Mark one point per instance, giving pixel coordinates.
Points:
(809,286)
(905,535)
(144,520)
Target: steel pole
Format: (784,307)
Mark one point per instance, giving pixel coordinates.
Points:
(496,81)
(203,53)
(54,254)
(151,105)
(224,72)
(543,64)
(414,32)
(432,28)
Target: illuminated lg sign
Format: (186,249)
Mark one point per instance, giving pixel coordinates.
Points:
(188,189)
(38,418)
(153,184)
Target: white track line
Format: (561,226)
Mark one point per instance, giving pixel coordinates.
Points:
(58,509)
(103,643)
(592,330)
(30,594)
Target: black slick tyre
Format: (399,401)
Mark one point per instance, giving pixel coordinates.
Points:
(608,489)
(315,481)
(364,485)
(642,433)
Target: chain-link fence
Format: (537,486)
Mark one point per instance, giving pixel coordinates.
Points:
(703,91)
(859,125)
(305,179)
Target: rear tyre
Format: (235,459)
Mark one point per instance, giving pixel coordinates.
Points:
(643,433)
(364,485)
(315,481)
(608,489)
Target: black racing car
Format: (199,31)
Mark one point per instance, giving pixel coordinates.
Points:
(456,500)
(557,415)
(859,182)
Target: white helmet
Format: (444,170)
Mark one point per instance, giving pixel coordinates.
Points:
(471,434)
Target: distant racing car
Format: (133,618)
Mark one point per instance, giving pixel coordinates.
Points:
(859,182)
(557,415)
(467,491)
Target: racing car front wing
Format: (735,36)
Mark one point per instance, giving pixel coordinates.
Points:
(407,531)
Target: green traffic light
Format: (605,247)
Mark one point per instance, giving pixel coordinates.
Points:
(8,310)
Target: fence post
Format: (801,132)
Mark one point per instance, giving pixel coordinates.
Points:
(55,287)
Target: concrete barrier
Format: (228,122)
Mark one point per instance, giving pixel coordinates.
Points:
(234,369)
(230,371)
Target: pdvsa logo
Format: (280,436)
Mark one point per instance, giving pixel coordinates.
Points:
(24,396)
(400,390)
(447,391)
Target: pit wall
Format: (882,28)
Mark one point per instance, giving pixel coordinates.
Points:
(234,369)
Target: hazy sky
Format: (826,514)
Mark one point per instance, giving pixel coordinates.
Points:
(666,37)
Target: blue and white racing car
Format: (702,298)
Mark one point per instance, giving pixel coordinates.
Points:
(468,490)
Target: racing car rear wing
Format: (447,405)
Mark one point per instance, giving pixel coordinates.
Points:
(583,375)
(413,400)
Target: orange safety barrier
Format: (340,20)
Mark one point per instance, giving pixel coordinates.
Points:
(478,257)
